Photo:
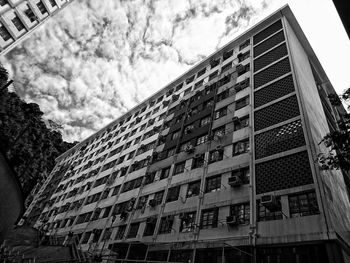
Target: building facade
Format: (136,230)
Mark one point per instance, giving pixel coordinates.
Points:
(19,18)
(218,166)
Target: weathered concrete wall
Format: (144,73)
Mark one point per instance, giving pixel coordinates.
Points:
(331,186)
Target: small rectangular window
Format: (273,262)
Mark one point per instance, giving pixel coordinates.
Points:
(220,113)
(120,232)
(213,184)
(209,218)
(193,189)
(166,224)
(242,103)
(179,168)
(241,212)
(173,194)
(240,147)
(165,173)
(304,204)
(188,222)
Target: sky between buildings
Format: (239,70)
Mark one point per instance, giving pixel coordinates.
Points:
(97,59)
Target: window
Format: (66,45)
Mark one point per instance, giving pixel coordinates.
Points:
(173,194)
(131,155)
(18,23)
(209,218)
(205,121)
(213,75)
(201,72)
(220,113)
(193,189)
(179,118)
(245,44)
(107,211)
(241,212)
(214,63)
(166,224)
(165,173)
(120,232)
(134,228)
(4,33)
(171,152)
(175,135)
(202,139)
(190,79)
(142,202)
(265,214)
(53,3)
(158,197)
(187,91)
(219,132)
(127,145)
(241,123)
(185,146)
(198,161)
(241,57)
(116,190)
(86,237)
(243,174)
(213,184)
(208,104)
(227,54)
(150,178)
(223,95)
(179,168)
(150,226)
(240,147)
(303,204)
(106,234)
(188,222)
(42,8)
(178,87)
(137,140)
(242,103)
(215,156)
(242,69)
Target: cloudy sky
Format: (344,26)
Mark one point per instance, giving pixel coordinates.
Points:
(98,58)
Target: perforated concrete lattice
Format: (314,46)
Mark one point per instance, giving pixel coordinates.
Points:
(271,56)
(267,32)
(276,70)
(283,173)
(274,91)
(268,43)
(283,138)
(276,113)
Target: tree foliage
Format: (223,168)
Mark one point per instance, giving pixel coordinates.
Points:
(338,141)
(29,145)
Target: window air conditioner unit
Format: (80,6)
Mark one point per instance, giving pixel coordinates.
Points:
(235,181)
(232,220)
(152,202)
(271,203)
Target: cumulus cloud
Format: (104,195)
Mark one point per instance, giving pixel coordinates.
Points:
(97,59)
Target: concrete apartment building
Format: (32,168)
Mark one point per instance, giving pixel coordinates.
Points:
(218,166)
(19,18)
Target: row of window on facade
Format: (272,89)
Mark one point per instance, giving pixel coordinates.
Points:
(221,96)
(217,134)
(304,204)
(197,162)
(213,183)
(218,114)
